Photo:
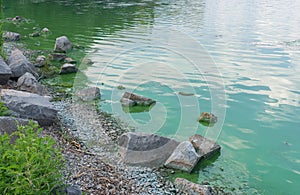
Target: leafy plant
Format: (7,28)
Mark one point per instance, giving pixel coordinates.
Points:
(3,110)
(31,164)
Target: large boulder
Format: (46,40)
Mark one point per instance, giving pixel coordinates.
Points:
(10,124)
(131,99)
(29,106)
(89,94)
(19,64)
(184,157)
(5,72)
(204,147)
(68,68)
(11,36)
(62,44)
(28,82)
(144,149)
(192,188)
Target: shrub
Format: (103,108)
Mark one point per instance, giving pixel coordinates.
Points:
(30,165)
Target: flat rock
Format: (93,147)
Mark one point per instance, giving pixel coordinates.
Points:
(68,68)
(192,188)
(29,106)
(184,157)
(144,149)
(62,44)
(89,94)
(57,56)
(5,72)
(11,36)
(204,147)
(131,99)
(19,64)
(29,83)
(10,124)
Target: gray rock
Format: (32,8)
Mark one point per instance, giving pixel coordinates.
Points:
(89,94)
(204,147)
(57,56)
(40,61)
(62,44)
(11,36)
(29,106)
(10,124)
(19,64)
(70,61)
(5,72)
(184,157)
(144,149)
(45,30)
(138,100)
(17,19)
(68,68)
(69,190)
(192,188)
(28,82)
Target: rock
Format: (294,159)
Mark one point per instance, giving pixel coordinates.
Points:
(57,56)
(144,149)
(121,87)
(89,94)
(66,190)
(29,106)
(19,64)
(185,94)
(62,44)
(17,19)
(68,68)
(34,34)
(10,124)
(204,147)
(45,30)
(11,36)
(5,72)
(192,188)
(184,157)
(208,118)
(128,97)
(28,82)
(40,61)
(70,61)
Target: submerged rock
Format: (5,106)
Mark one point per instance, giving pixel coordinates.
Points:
(208,118)
(5,72)
(28,82)
(145,149)
(70,61)
(131,99)
(62,44)
(184,157)
(29,106)
(204,147)
(89,94)
(192,188)
(11,36)
(68,68)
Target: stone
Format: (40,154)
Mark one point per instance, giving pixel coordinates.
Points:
(10,124)
(34,34)
(184,157)
(28,82)
(29,106)
(68,68)
(70,61)
(138,100)
(45,30)
(145,149)
(208,118)
(19,64)
(5,72)
(57,56)
(62,44)
(89,94)
(40,61)
(204,147)
(17,19)
(11,36)
(192,188)
(66,190)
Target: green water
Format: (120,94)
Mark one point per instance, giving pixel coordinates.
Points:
(241,59)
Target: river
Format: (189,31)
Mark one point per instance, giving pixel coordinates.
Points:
(239,59)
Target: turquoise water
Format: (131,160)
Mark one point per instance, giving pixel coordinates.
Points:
(240,59)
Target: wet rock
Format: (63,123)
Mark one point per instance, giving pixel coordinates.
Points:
(28,82)
(70,61)
(192,188)
(138,100)
(11,36)
(145,149)
(89,94)
(34,34)
(5,72)
(204,147)
(19,64)
(10,124)
(208,118)
(17,19)
(45,30)
(57,56)
(62,44)
(68,68)
(121,87)
(184,157)
(185,93)
(40,61)
(29,106)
